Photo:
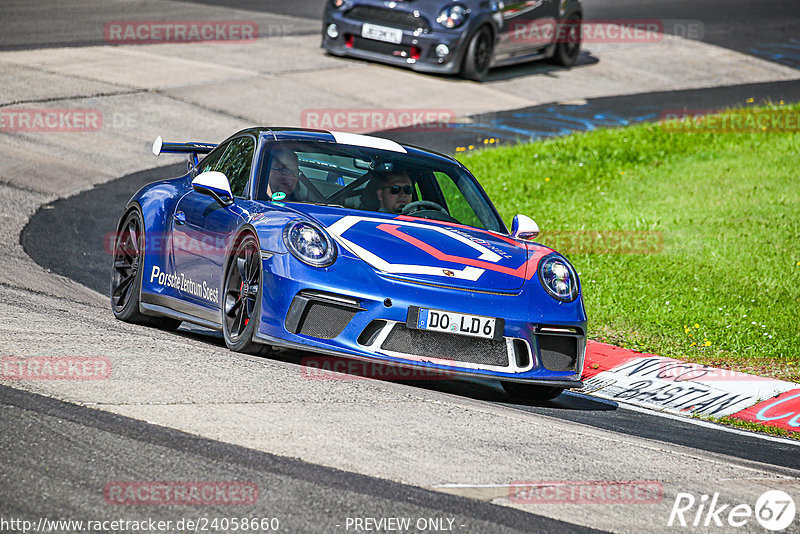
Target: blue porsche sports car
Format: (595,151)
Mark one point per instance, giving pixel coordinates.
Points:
(353,246)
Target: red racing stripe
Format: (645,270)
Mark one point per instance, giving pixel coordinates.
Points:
(525,271)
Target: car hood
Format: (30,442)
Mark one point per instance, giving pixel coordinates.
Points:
(431,252)
(429,8)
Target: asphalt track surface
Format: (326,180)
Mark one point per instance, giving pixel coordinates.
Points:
(760,28)
(767,28)
(84,449)
(59,23)
(80,251)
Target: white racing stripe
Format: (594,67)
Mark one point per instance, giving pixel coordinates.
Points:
(368,141)
(338,228)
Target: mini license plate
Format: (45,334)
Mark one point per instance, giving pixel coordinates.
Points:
(382,33)
(454,323)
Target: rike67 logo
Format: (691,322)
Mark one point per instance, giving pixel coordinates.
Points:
(774,510)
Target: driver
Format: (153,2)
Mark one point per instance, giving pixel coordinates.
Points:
(395,192)
(283,173)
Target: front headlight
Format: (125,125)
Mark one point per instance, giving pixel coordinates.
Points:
(309,244)
(453,16)
(558,278)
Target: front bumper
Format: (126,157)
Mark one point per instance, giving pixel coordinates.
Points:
(378,306)
(350,43)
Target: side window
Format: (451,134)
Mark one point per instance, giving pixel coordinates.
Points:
(210,162)
(457,205)
(236,164)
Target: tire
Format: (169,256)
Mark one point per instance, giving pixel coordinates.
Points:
(126,275)
(241,308)
(568,47)
(478,56)
(531,392)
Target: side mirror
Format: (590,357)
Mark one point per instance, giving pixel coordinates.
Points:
(524,227)
(214,184)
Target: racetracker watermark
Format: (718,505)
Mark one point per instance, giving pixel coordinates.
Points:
(566,241)
(604,241)
(586,492)
(548,30)
(363,120)
(333,368)
(731,121)
(215,493)
(180,31)
(55,368)
(50,120)
(180,244)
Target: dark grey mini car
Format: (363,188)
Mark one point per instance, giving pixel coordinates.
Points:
(466,37)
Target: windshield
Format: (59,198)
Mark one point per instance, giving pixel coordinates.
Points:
(373,180)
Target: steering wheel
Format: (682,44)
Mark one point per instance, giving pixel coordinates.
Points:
(422,205)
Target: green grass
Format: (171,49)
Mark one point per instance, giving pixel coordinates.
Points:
(720,211)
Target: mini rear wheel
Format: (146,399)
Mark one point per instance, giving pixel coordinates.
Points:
(521,391)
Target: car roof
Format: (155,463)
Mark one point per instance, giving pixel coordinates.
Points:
(308,134)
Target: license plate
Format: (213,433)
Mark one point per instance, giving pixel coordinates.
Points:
(453,323)
(382,33)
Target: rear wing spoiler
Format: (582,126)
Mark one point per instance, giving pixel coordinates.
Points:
(192,149)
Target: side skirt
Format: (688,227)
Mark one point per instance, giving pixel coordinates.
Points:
(160,305)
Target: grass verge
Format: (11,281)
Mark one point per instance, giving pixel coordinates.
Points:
(687,244)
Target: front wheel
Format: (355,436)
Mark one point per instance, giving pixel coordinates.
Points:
(568,42)
(478,56)
(531,392)
(241,303)
(126,275)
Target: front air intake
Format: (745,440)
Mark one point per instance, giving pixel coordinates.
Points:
(558,352)
(403,20)
(439,345)
(320,315)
